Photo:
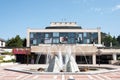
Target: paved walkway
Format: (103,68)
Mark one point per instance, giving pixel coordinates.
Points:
(11,75)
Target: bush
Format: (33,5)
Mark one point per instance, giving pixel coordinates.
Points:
(7,53)
(3,61)
(1,57)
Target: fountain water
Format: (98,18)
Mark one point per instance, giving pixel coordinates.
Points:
(56,63)
(60,59)
(71,65)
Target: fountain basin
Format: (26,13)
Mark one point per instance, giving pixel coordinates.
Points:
(91,70)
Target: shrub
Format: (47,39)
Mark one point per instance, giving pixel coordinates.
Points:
(1,57)
(7,53)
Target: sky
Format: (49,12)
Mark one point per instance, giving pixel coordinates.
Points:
(18,15)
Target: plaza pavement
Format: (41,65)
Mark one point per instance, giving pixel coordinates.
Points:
(11,75)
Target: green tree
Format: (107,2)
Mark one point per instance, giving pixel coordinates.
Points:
(18,41)
(103,35)
(24,42)
(107,40)
(10,42)
(118,39)
(15,42)
(115,42)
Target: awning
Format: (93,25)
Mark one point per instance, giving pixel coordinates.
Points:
(21,51)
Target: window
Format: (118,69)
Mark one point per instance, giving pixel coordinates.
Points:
(80,35)
(31,35)
(80,38)
(34,41)
(46,35)
(95,37)
(56,40)
(88,41)
(72,35)
(63,34)
(55,34)
(48,40)
(85,34)
(71,40)
(85,41)
(63,39)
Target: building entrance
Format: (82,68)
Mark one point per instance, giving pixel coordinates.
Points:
(103,59)
(84,59)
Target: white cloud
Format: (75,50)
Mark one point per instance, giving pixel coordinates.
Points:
(117,7)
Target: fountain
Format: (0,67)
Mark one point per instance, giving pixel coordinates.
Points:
(57,64)
(54,65)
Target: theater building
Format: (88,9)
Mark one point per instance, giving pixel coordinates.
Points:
(84,44)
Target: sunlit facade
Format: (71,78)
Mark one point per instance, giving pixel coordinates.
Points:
(60,35)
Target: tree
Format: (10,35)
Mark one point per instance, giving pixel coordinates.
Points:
(18,41)
(107,39)
(24,42)
(15,42)
(118,39)
(103,35)
(115,42)
(10,43)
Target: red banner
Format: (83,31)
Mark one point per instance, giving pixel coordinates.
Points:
(21,50)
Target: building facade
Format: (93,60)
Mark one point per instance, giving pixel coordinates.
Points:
(68,36)
(63,33)
(2,42)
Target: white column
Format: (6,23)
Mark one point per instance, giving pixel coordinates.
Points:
(94,59)
(99,35)
(114,56)
(46,59)
(28,37)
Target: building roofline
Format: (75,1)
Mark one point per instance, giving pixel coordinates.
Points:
(62,30)
(63,27)
(2,40)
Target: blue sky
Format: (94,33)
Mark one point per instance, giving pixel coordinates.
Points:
(17,15)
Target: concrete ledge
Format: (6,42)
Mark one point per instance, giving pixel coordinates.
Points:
(8,63)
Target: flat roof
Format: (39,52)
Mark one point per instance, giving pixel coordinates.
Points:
(63,27)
